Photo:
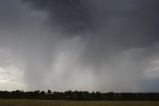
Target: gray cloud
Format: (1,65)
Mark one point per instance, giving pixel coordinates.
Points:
(71,16)
(87,45)
(110,21)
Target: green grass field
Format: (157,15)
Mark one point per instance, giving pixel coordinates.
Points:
(75,103)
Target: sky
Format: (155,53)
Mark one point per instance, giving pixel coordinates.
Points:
(93,45)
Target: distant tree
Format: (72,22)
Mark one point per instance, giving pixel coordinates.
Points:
(49,92)
(77,95)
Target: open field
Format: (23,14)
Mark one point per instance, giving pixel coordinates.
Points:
(75,103)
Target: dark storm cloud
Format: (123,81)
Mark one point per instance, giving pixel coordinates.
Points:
(76,44)
(119,35)
(134,21)
(70,15)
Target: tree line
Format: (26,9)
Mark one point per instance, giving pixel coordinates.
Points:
(77,95)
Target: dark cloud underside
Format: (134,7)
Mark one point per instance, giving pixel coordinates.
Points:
(112,28)
(72,16)
(84,44)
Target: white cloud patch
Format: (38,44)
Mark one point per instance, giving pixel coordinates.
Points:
(11,75)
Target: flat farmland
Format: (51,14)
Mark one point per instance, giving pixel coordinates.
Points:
(18,102)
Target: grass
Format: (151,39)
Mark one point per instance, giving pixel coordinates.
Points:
(75,103)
